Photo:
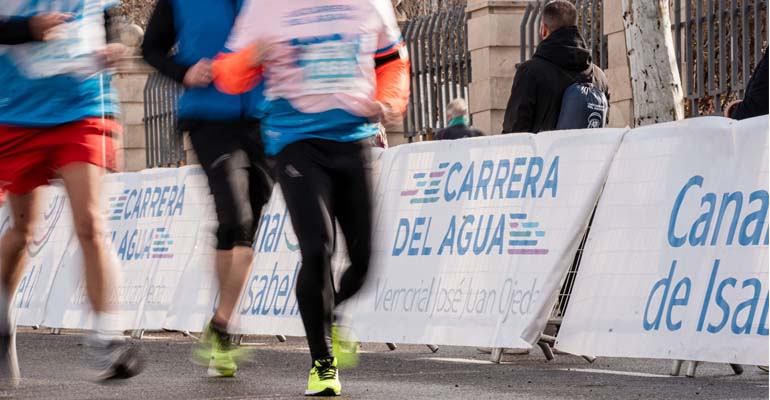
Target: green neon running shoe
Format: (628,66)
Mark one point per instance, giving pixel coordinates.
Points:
(216,351)
(324,378)
(345,346)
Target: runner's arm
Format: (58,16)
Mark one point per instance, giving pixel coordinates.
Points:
(18,30)
(391,62)
(111,25)
(237,69)
(392,69)
(14,30)
(159,39)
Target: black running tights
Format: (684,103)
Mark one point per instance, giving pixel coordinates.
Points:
(322,181)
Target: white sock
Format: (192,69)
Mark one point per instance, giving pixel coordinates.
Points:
(107,326)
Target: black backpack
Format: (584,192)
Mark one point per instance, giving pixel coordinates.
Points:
(583,105)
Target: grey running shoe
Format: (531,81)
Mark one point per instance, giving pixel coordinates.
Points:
(116,359)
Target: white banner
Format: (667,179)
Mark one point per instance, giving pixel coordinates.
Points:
(472,240)
(676,264)
(153,223)
(53,236)
(269,304)
(473,237)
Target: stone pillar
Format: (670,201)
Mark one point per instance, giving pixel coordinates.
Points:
(129,81)
(494,41)
(618,71)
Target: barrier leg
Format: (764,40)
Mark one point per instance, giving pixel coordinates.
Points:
(546,348)
(496,355)
(137,333)
(433,348)
(187,334)
(545,345)
(763,368)
(676,367)
(391,346)
(589,359)
(691,369)
(281,338)
(56,331)
(237,339)
(737,368)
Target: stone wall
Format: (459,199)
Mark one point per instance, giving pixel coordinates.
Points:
(495,45)
(618,72)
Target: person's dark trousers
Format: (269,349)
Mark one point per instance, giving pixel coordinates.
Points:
(322,181)
(232,155)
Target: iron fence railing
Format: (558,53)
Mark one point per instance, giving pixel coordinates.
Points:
(441,67)
(164,147)
(590,23)
(718,43)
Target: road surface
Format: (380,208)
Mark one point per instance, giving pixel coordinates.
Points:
(55,366)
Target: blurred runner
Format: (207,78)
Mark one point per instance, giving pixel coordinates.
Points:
(56,120)
(331,71)
(224,132)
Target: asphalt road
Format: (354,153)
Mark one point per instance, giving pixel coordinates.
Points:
(54,366)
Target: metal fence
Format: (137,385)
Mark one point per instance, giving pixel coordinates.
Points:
(164,143)
(590,23)
(718,43)
(441,67)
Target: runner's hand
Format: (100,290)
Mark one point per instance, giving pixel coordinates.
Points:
(730,107)
(199,75)
(112,54)
(40,25)
(388,116)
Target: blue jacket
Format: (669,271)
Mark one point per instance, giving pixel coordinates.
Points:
(197,29)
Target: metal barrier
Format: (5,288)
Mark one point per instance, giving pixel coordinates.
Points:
(705,87)
(590,23)
(164,141)
(441,67)
(718,43)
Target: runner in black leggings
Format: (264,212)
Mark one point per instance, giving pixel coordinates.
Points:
(224,131)
(331,73)
(321,181)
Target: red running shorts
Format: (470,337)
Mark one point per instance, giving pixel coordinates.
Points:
(30,157)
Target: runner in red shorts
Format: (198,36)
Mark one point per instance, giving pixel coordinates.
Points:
(56,121)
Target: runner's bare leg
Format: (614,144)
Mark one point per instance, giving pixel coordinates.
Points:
(83,183)
(112,356)
(232,272)
(15,241)
(13,252)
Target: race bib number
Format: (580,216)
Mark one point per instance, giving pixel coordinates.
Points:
(329,65)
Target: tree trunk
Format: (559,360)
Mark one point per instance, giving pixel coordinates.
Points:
(655,82)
